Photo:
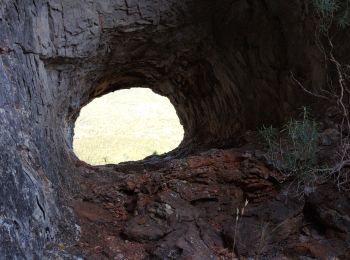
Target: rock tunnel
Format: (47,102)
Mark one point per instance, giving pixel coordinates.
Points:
(225,67)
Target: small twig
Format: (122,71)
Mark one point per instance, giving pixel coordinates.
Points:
(306,90)
(239,214)
(340,95)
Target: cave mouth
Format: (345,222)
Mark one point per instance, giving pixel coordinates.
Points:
(126,125)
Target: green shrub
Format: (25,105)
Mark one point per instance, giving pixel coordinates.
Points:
(330,11)
(293,150)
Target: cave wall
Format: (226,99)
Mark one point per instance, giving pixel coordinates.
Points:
(261,43)
(224,66)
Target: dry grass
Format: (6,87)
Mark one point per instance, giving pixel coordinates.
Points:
(126,125)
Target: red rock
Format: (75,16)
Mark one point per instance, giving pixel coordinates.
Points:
(189,210)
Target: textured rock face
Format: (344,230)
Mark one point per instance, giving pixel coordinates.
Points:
(224,66)
(187,209)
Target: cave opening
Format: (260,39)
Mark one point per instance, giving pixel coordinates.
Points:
(126,125)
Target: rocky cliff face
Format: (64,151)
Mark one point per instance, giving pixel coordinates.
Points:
(224,66)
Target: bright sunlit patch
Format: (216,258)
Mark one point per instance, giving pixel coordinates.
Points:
(126,125)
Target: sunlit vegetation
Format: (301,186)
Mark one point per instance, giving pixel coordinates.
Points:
(126,125)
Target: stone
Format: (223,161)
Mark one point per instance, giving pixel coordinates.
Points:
(189,219)
(225,66)
(329,137)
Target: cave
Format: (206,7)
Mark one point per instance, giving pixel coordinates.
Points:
(226,68)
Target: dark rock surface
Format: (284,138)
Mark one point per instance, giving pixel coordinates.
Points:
(187,210)
(224,66)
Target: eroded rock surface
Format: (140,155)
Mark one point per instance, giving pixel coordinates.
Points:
(225,66)
(187,208)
